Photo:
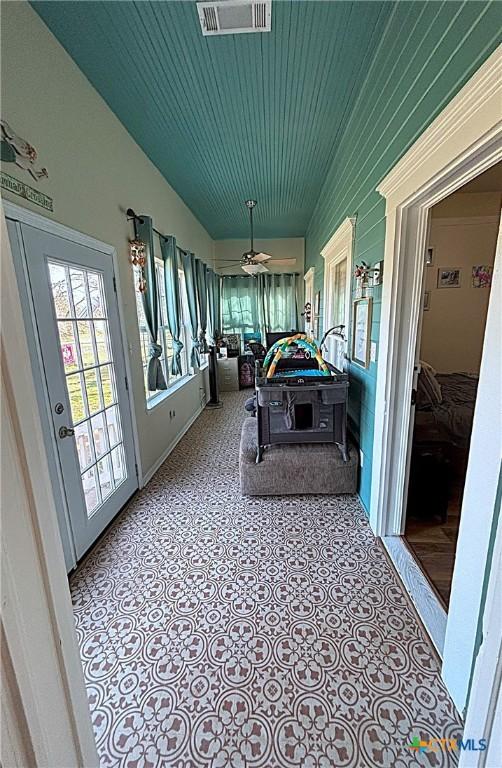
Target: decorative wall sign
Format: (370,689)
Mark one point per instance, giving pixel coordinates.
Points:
(482,276)
(16,150)
(361,333)
(28,193)
(448,277)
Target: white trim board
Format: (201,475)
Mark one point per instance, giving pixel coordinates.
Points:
(422,595)
(461,143)
(339,248)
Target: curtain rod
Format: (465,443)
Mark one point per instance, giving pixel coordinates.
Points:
(134,217)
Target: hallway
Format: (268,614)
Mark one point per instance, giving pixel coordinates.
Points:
(221,631)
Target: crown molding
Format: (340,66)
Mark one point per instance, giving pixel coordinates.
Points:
(478,101)
(342,236)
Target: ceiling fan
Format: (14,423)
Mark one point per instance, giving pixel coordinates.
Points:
(251,261)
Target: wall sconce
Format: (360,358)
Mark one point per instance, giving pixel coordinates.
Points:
(307,312)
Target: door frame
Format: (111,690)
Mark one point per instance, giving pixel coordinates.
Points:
(20,215)
(461,143)
(339,247)
(50,720)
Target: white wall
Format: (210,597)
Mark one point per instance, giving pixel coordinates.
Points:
(463,234)
(96,171)
(278,248)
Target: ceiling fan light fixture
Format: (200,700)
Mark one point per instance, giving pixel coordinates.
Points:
(254,269)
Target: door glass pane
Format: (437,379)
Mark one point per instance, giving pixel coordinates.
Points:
(102,340)
(118,464)
(91,490)
(100,434)
(113,422)
(96,294)
(79,293)
(85,347)
(59,287)
(75,393)
(108,385)
(105,476)
(69,345)
(84,445)
(93,391)
(86,343)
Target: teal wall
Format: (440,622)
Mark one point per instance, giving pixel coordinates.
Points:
(426,54)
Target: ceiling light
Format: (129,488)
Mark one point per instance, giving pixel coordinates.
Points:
(254,269)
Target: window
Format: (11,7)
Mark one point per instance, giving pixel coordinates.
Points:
(165,339)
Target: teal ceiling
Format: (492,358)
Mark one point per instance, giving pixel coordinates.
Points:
(232,117)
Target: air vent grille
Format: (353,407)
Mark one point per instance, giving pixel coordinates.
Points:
(260,15)
(210,20)
(234,17)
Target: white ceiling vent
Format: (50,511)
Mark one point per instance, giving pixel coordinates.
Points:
(233,17)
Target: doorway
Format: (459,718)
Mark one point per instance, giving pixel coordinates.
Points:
(72,318)
(457,280)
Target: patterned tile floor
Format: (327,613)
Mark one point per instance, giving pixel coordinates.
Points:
(250,633)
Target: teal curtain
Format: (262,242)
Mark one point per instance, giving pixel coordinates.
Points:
(189,267)
(240,304)
(265,303)
(214,298)
(277,302)
(155,375)
(200,268)
(173,299)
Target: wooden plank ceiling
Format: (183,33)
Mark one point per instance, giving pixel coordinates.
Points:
(232,117)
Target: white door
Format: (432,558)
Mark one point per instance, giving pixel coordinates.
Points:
(76,314)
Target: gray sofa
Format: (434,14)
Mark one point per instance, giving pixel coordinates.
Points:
(294,469)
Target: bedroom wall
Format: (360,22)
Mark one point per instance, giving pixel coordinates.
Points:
(454,325)
(406,86)
(96,171)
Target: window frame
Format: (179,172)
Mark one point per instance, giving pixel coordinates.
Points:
(152,399)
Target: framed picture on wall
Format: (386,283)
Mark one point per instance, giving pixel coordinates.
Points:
(361,332)
(448,277)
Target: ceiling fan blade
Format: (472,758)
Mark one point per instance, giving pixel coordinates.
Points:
(283,262)
(261,257)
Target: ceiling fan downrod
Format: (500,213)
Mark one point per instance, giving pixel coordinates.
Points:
(250,204)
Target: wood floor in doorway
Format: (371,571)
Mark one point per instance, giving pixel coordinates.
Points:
(223,632)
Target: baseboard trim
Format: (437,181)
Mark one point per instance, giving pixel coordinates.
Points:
(422,594)
(150,473)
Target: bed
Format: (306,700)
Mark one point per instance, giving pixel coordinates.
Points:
(445,401)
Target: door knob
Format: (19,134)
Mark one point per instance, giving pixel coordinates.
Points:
(66,432)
